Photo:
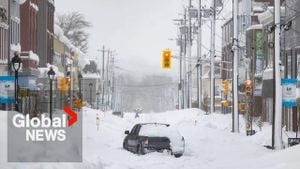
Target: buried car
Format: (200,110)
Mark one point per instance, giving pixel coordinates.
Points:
(149,137)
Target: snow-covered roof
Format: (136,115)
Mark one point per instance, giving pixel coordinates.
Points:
(60,35)
(267,17)
(82,56)
(257,26)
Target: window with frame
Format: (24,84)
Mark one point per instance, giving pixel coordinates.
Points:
(217,91)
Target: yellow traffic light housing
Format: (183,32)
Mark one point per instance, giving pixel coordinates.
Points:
(78,103)
(248,87)
(226,103)
(242,107)
(226,87)
(63,85)
(167,59)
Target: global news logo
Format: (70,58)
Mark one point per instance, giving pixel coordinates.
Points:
(43,128)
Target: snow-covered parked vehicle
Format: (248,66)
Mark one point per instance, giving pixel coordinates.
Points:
(149,137)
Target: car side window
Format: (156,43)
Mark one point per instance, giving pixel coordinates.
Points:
(133,130)
(136,132)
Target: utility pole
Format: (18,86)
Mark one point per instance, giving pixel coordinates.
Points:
(113,91)
(278,91)
(235,66)
(180,87)
(184,84)
(109,53)
(212,57)
(199,67)
(189,53)
(180,43)
(103,55)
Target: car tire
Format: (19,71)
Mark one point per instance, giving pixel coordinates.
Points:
(140,149)
(177,155)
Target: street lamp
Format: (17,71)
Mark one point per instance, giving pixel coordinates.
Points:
(51,76)
(91,85)
(16,63)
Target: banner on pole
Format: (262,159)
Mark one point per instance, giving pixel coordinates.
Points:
(7,89)
(289,92)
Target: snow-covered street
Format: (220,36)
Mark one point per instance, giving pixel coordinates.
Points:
(209,144)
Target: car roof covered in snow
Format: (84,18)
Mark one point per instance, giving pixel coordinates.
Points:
(155,124)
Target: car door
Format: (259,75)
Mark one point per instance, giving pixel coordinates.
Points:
(132,139)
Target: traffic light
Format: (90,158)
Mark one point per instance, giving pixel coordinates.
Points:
(78,103)
(63,85)
(226,103)
(248,87)
(226,87)
(242,106)
(167,59)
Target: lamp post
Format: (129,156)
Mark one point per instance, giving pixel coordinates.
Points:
(91,86)
(51,75)
(16,63)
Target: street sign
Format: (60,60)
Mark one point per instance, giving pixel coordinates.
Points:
(7,89)
(289,92)
(24,92)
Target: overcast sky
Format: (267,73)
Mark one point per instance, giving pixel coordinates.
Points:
(137,29)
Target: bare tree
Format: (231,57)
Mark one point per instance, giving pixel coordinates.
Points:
(74,26)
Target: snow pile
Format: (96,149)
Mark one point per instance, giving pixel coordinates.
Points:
(51,1)
(22,1)
(34,6)
(209,144)
(29,55)
(15,48)
(34,57)
(44,71)
(91,75)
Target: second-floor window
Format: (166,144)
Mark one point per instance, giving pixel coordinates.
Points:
(14,32)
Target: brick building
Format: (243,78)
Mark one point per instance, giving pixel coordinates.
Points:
(45,49)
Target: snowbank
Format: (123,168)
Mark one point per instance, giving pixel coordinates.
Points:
(210,144)
(91,76)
